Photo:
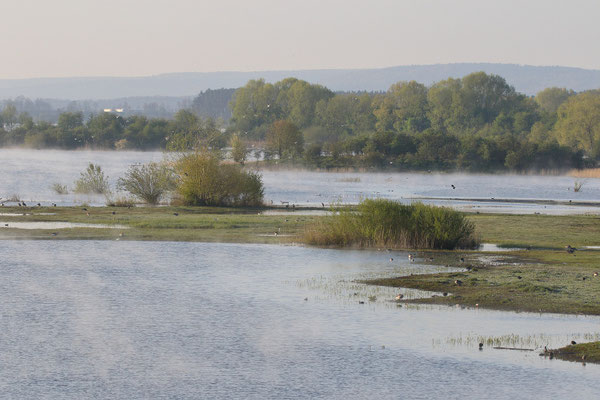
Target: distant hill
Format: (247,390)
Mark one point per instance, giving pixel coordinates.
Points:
(526,79)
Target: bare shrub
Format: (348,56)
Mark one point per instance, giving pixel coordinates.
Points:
(148,182)
(92,180)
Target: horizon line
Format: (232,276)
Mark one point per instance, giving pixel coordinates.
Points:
(286,70)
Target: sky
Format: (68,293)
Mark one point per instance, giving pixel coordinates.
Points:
(63,38)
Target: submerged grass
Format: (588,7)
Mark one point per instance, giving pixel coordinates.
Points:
(386,223)
(536,284)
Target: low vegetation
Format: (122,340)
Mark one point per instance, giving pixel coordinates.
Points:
(169,223)
(540,277)
(60,189)
(120,201)
(386,223)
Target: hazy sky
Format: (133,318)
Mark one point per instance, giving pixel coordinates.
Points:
(40,38)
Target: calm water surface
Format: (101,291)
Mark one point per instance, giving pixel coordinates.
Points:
(128,320)
(30,174)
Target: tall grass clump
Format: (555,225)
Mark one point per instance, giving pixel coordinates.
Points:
(148,182)
(60,189)
(205,181)
(92,180)
(386,223)
(120,201)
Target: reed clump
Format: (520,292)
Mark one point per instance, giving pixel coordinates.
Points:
(120,201)
(60,189)
(585,173)
(387,223)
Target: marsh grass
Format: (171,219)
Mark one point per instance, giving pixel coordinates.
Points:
(120,202)
(531,341)
(386,223)
(585,173)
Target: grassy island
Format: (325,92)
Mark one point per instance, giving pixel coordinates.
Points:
(579,352)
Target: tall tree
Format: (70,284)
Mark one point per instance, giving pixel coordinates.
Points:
(105,129)
(302,98)
(551,98)
(254,105)
(445,109)
(239,151)
(403,108)
(578,123)
(285,139)
(9,116)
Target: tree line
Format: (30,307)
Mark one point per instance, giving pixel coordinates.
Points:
(478,122)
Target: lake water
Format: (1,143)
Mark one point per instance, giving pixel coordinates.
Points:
(133,320)
(30,174)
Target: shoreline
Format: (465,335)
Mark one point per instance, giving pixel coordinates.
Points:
(518,201)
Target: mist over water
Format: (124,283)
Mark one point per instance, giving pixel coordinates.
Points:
(31,173)
(127,320)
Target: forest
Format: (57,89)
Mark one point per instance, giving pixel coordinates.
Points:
(476,123)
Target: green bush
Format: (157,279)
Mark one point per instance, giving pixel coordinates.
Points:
(386,223)
(92,180)
(149,182)
(205,181)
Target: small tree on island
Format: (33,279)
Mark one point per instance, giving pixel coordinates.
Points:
(239,151)
(148,182)
(205,181)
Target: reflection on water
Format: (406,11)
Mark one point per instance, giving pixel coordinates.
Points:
(29,174)
(55,225)
(494,247)
(88,319)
